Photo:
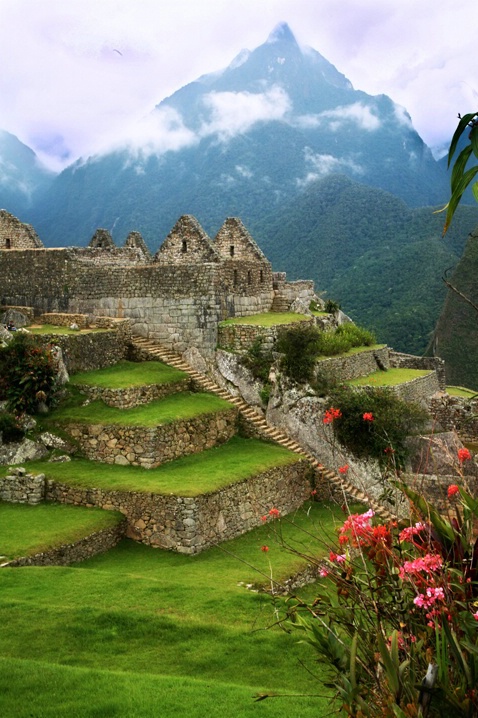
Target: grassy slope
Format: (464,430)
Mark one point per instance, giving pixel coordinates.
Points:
(391,377)
(126,374)
(124,635)
(26,530)
(268,319)
(208,471)
(177,407)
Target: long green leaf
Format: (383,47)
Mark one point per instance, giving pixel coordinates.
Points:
(390,670)
(459,166)
(457,195)
(462,125)
(474,139)
(455,647)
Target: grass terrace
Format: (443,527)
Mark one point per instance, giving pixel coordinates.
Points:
(391,377)
(178,407)
(461,391)
(27,530)
(126,374)
(268,319)
(192,475)
(54,329)
(139,632)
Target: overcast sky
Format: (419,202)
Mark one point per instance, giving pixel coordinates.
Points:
(74,73)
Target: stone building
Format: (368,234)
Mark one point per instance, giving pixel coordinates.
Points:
(176,297)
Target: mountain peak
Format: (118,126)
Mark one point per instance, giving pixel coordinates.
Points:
(282,33)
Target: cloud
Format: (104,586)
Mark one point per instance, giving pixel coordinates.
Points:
(233,113)
(358,113)
(321,165)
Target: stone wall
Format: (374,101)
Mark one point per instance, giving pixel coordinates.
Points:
(91,350)
(19,487)
(190,525)
(419,390)
(150,447)
(134,395)
(352,366)
(16,235)
(240,337)
(456,413)
(408,361)
(87,547)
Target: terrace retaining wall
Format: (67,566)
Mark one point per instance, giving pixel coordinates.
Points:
(135,395)
(240,337)
(352,366)
(191,524)
(150,447)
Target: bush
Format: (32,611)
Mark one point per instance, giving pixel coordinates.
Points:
(10,428)
(330,343)
(300,346)
(257,360)
(358,336)
(331,306)
(374,423)
(27,373)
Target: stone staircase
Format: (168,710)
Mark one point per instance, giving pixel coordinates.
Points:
(339,484)
(280,302)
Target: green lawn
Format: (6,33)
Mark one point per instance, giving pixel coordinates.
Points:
(178,407)
(268,319)
(125,374)
(461,391)
(354,350)
(26,530)
(391,377)
(54,329)
(144,632)
(192,475)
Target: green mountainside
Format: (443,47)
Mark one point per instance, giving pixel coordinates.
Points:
(456,335)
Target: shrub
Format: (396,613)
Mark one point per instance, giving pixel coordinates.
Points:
(300,346)
(10,428)
(27,373)
(331,306)
(330,343)
(374,423)
(257,360)
(358,336)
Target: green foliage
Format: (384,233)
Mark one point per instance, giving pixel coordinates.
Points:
(10,428)
(257,360)
(462,175)
(358,336)
(27,373)
(396,604)
(382,437)
(331,343)
(300,346)
(331,306)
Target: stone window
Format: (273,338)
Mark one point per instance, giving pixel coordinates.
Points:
(8,243)
(184,247)
(231,250)
(261,277)
(249,276)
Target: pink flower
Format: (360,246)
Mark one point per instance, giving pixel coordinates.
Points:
(275,513)
(432,595)
(428,564)
(331,414)
(264,518)
(313,492)
(463,455)
(323,573)
(452,490)
(343,469)
(337,558)
(368,416)
(475,616)
(265,548)
(408,533)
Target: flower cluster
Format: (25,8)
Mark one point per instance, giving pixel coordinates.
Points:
(331,414)
(463,455)
(368,416)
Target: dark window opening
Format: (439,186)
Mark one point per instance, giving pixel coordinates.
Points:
(184,247)
(249,277)
(235,277)
(261,276)
(8,243)
(231,250)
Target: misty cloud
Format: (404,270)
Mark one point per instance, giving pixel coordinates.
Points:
(321,165)
(358,113)
(233,113)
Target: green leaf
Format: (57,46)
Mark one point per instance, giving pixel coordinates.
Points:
(390,669)
(474,189)
(474,139)
(455,647)
(459,166)
(462,125)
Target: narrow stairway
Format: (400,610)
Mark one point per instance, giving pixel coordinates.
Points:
(168,357)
